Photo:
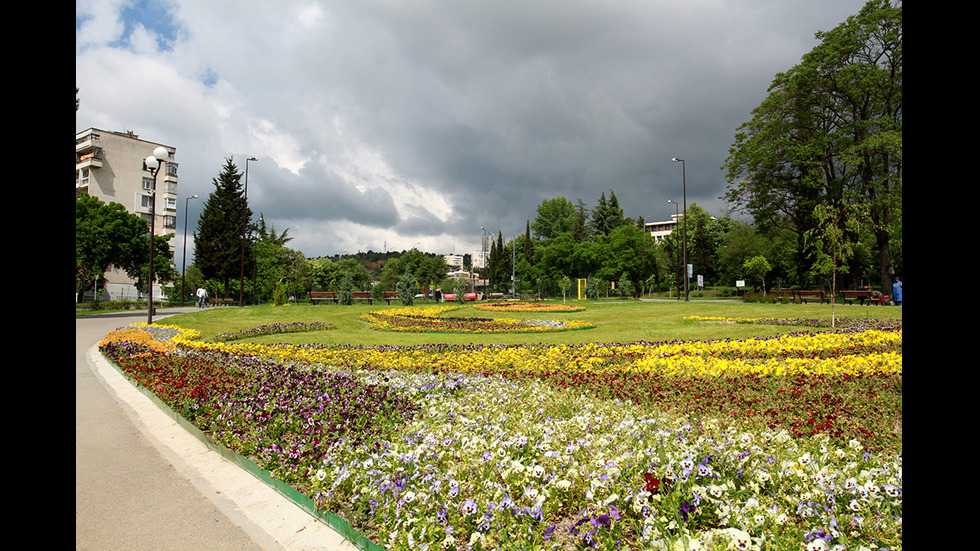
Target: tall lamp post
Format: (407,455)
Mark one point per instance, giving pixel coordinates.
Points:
(483,259)
(241,280)
(687,295)
(513,268)
(676,216)
(183,261)
(153,163)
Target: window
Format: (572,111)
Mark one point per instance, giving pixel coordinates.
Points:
(170,221)
(146,201)
(172,169)
(148,184)
(170,203)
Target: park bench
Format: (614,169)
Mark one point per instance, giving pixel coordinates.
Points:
(389,296)
(316,296)
(362,295)
(851,296)
(781,296)
(221,301)
(864,295)
(805,296)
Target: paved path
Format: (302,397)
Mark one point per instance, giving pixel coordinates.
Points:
(143,482)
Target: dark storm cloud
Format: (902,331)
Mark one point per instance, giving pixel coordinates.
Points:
(407,122)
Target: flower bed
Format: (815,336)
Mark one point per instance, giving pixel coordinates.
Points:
(527,307)
(272,329)
(781,443)
(429,320)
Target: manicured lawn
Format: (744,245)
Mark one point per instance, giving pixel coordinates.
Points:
(619,322)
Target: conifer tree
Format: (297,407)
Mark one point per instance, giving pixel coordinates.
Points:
(218,238)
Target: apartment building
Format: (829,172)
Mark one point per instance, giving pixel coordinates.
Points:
(660,230)
(111,166)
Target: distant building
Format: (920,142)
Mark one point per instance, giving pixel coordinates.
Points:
(454,260)
(110,166)
(660,230)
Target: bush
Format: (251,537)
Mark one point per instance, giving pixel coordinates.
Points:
(279,295)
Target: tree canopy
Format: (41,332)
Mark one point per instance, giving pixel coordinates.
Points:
(830,133)
(108,236)
(218,239)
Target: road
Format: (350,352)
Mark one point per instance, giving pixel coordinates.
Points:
(143,482)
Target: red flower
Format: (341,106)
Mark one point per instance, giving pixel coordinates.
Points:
(653,483)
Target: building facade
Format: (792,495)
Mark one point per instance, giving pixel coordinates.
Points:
(660,230)
(111,167)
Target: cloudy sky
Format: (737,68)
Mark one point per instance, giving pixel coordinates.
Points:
(392,124)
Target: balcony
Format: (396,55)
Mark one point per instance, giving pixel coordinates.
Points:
(89,160)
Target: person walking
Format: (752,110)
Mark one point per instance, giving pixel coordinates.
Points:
(897,292)
(202,296)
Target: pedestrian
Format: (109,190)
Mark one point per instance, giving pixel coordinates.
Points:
(202,296)
(897,292)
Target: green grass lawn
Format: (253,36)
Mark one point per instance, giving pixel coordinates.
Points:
(616,322)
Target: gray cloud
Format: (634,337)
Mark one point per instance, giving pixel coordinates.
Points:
(381,123)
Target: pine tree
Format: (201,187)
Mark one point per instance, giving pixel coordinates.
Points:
(218,239)
(528,247)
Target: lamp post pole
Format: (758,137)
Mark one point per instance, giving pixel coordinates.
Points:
(153,164)
(687,295)
(513,268)
(483,258)
(241,280)
(676,216)
(183,261)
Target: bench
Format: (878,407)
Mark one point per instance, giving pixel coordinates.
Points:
(316,296)
(783,295)
(362,295)
(221,302)
(389,296)
(862,296)
(804,296)
(851,296)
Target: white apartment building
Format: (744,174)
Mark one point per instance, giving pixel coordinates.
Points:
(660,230)
(111,166)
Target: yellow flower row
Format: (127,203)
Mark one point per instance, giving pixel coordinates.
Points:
(721,358)
(527,307)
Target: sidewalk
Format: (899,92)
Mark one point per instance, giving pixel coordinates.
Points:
(143,482)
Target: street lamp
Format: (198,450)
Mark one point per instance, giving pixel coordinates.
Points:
(513,269)
(241,280)
(676,216)
(153,163)
(687,295)
(183,262)
(483,259)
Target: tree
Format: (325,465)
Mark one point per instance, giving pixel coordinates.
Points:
(757,267)
(267,234)
(830,133)
(528,246)
(108,236)
(564,283)
(607,215)
(632,255)
(218,239)
(555,216)
(831,247)
(406,288)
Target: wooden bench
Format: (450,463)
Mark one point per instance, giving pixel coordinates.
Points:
(851,296)
(783,295)
(221,302)
(317,296)
(389,296)
(805,296)
(362,295)
(863,295)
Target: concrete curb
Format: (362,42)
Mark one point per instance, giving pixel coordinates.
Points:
(268,516)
